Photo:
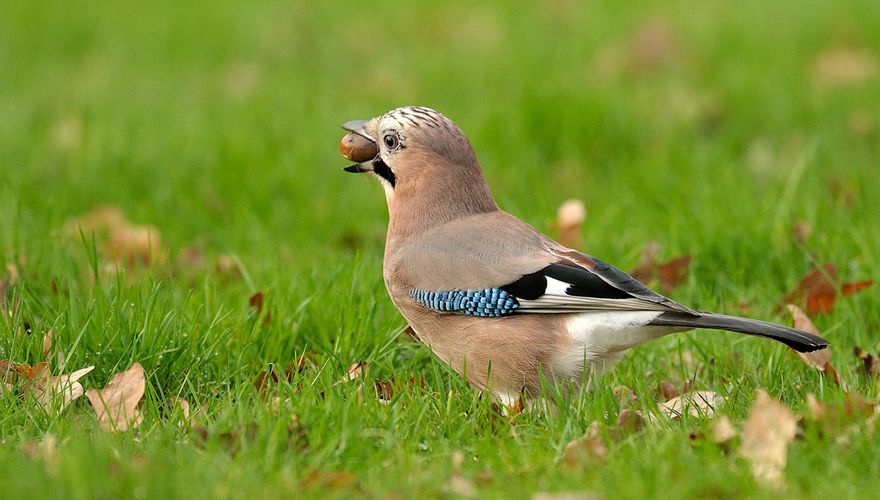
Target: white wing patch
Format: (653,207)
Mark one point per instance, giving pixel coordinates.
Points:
(555,301)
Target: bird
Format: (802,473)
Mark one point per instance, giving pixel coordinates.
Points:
(491,296)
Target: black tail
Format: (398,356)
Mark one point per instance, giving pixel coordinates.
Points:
(796,339)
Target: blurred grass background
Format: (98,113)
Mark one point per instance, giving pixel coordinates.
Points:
(712,128)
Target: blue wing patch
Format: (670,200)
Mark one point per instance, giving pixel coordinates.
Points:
(489,302)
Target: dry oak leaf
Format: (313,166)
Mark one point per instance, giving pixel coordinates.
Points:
(119,238)
(256,302)
(460,484)
(116,404)
(585,448)
(328,480)
(801,231)
(6,284)
(384,391)
(816,292)
(37,380)
(569,218)
(667,390)
(821,359)
(765,437)
(843,66)
(870,362)
(64,387)
(30,379)
(48,340)
(355,371)
(670,273)
(625,396)
(179,402)
(629,421)
(695,404)
(723,430)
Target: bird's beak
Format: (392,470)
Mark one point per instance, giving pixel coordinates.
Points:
(358,146)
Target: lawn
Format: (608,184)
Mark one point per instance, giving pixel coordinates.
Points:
(745,135)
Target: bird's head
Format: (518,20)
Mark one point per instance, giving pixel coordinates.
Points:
(421,158)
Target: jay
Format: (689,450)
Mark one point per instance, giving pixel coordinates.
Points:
(491,296)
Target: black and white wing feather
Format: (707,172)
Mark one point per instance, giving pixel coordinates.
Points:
(578,282)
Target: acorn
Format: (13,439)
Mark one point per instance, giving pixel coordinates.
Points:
(358,148)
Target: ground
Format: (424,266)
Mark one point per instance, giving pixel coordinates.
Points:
(745,135)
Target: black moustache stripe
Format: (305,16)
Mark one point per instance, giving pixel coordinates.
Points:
(383,171)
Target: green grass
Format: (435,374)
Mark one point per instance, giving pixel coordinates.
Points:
(217,122)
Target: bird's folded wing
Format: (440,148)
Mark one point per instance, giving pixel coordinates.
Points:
(494,265)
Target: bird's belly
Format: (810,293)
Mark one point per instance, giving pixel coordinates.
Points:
(504,355)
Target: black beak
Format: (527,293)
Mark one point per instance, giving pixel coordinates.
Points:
(355,169)
(357,126)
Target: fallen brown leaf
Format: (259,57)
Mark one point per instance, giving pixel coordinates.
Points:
(586,448)
(855,287)
(227,265)
(355,371)
(328,480)
(667,390)
(192,257)
(673,272)
(842,191)
(647,267)
(843,66)
(816,292)
(723,430)
(765,437)
(265,379)
(625,396)
(629,421)
(653,44)
(821,359)
(119,239)
(179,402)
(256,302)
(65,387)
(116,404)
(29,377)
(569,219)
(801,231)
(670,273)
(48,340)
(270,376)
(458,483)
(44,449)
(384,391)
(870,362)
(701,404)
(857,406)
(6,283)
(861,123)
(815,409)
(38,381)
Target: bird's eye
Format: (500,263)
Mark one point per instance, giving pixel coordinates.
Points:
(391,141)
